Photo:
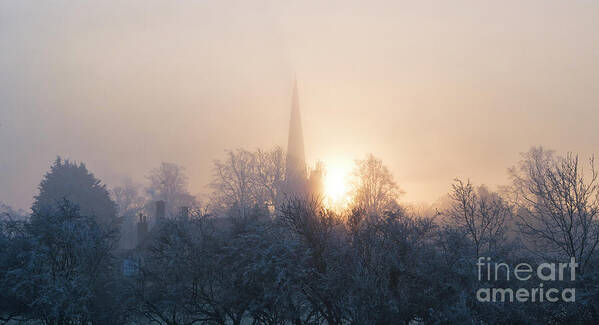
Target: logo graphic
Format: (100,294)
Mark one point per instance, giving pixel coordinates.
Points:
(545,274)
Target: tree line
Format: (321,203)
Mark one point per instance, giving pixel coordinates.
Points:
(250,254)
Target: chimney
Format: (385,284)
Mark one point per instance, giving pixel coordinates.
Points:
(160,211)
(142,229)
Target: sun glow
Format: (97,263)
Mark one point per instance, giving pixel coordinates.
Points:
(335,183)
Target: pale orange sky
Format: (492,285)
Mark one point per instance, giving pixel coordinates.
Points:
(437,89)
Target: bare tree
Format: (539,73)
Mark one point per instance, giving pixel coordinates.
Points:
(558,204)
(482,214)
(169,183)
(269,174)
(373,186)
(233,187)
(246,180)
(128,199)
(129,204)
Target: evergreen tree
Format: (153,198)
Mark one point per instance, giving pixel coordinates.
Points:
(73,182)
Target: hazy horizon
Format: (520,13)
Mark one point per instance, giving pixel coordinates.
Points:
(437,90)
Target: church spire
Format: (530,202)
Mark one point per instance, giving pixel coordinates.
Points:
(296,158)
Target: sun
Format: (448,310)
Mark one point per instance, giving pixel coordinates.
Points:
(335,183)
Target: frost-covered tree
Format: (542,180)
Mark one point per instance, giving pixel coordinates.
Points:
(128,198)
(246,182)
(327,274)
(72,181)
(10,213)
(557,200)
(481,214)
(269,175)
(130,203)
(168,183)
(13,243)
(373,188)
(234,191)
(59,268)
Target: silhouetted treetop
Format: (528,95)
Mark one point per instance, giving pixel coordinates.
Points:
(72,181)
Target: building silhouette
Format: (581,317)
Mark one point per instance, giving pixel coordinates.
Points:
(297,183)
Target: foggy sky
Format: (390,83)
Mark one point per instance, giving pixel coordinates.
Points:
(437,89)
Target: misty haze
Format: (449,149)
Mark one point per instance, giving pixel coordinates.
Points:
(281,162)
